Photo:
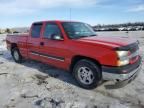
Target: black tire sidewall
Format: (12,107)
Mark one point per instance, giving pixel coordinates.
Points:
(20,57)
(95,69)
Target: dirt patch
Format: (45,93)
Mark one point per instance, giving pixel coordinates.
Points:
(41,79)
(1,63)
(1,53)
(3,73)
(50,103)
(54,75)
(26,96)
(3,40)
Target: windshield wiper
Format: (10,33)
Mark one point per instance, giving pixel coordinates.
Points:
(80,37)
(93,35)
(84,36)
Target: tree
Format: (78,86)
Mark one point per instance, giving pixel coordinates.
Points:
(8,30)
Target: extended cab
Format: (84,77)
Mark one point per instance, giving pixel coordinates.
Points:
(74,46)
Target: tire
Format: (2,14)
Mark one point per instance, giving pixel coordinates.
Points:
(87,74)
(16,55)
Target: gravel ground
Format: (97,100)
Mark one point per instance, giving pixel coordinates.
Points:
(36,85)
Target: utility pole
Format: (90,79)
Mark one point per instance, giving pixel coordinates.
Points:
(70,14)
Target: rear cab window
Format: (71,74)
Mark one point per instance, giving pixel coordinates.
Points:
(36,30)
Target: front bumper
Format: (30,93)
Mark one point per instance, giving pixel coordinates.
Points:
(121,75)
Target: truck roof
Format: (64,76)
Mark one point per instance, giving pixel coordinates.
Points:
(55,21)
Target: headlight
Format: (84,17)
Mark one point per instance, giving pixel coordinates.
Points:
(122,63)
(123,58)
(122,54)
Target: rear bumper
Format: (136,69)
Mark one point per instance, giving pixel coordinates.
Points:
(121,74)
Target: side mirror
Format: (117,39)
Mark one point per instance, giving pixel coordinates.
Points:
(56,37)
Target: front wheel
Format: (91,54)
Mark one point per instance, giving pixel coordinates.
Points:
(16,55)
(87,74)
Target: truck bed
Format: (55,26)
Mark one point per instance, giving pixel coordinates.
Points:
(16,38)
(20,40)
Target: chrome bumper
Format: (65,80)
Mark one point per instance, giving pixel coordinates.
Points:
(120,77)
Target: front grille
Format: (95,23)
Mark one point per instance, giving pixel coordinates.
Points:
(134,52)
(133,47)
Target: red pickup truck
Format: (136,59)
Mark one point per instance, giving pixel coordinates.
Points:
(74,46)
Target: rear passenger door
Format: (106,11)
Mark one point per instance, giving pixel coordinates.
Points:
(34,41)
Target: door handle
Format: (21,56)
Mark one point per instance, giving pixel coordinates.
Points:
(41,43)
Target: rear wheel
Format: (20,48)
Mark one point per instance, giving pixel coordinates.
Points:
(87,74)
(16,55)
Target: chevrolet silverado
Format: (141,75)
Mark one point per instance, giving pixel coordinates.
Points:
(75,47)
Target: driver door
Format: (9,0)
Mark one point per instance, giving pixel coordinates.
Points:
(53,52)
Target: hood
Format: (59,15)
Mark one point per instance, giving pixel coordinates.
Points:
(108,41)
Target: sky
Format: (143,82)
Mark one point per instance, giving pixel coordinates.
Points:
(21,13)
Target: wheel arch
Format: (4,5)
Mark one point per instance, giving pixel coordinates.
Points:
(13,45)
(77,58)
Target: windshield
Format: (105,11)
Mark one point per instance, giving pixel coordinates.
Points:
(78,30)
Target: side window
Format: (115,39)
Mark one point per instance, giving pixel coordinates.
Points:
(36,30)
(51,29)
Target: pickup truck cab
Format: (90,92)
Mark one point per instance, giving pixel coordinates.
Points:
(75,47)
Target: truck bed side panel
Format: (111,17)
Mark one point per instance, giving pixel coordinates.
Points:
(21,41)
